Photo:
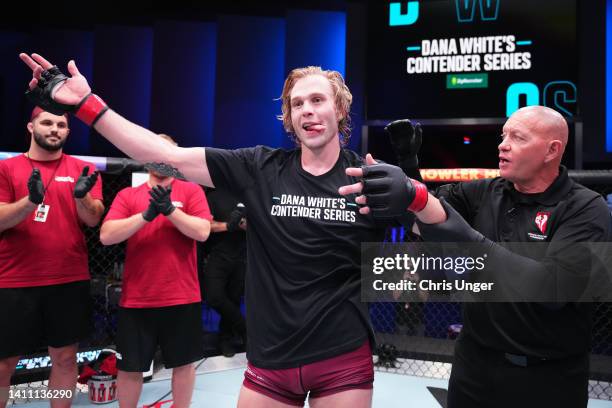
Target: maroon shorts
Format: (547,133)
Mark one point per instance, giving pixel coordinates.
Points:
(352,370)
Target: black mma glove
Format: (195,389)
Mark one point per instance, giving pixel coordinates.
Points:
(41,94)
(161,197)
(390,193)
(89,110)
(85,183)
(36,189)
(406,140)
(236,216)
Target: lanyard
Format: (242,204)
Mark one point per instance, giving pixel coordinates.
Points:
(52,175)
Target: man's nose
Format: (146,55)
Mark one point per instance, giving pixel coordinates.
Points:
(307,108)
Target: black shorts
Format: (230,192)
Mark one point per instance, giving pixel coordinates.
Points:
(483,378)
(176,329)
(36,317)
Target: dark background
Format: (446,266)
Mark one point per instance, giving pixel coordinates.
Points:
(208,73)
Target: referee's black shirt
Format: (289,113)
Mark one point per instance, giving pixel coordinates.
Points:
(573,213)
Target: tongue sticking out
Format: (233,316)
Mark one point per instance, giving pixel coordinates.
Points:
(315,127)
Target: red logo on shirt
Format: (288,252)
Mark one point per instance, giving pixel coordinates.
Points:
(541,221)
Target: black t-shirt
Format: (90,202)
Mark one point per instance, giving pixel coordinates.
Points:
(303,255)
(566,212)
(226,245)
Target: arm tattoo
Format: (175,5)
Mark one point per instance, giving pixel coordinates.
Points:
(164,169)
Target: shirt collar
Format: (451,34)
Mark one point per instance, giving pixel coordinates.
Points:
(551,196)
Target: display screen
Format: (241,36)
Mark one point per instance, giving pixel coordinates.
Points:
(453,146)
(37,367)
(470,58)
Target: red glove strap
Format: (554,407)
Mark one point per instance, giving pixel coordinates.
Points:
(421,196)
(91,108)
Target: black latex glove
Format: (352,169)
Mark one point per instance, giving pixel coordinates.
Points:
(85,183)
(406,140)
(36,189)
(389,192)
(161,196)
(151,212)
(236,216)
(454,229)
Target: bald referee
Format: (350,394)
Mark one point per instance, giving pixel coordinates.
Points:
(512,354)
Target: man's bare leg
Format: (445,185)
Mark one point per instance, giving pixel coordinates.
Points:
(64,373)
(252,399)
(355,398)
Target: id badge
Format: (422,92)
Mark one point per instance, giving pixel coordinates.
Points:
(41,213)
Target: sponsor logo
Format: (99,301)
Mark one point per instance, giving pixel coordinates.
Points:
(67,179)
(462,81)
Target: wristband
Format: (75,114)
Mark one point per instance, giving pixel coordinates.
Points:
(91,109)
(421,196)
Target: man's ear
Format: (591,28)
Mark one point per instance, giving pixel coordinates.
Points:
(555,150)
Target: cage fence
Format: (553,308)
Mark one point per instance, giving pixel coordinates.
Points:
(414,338)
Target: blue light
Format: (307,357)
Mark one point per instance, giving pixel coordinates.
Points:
(189,122)
(609,76)
(249,76)
(324,47)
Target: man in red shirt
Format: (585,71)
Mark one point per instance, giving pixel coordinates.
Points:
(160,300)
(45,198)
